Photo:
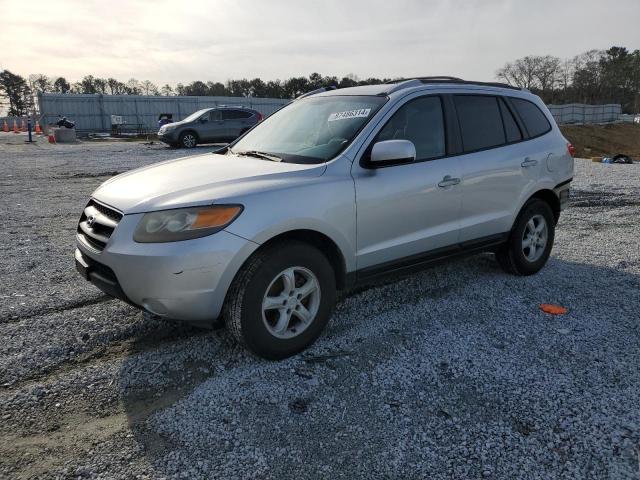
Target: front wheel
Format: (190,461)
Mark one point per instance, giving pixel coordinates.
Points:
(281,300)
(530,241)
(188,140)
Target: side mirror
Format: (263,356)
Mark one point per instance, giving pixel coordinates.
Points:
(204,120)
(392,151)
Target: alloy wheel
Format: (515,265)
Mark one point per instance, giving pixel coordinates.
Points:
(291,302)
(534,238)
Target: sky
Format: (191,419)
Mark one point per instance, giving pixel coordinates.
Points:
(172,41)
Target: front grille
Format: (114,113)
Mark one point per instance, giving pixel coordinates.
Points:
(97,224)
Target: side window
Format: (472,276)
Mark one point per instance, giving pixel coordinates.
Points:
(535,121)
(511,128)
(480,122)
(234,114)
(214,115)
(420,121)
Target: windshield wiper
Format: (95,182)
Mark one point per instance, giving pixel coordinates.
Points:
(263,155)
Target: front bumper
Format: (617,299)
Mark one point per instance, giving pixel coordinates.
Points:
(170,136)
(185,280)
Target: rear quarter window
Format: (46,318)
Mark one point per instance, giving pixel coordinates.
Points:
(511,128)
(534,120)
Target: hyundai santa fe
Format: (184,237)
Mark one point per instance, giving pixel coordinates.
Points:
(335,189)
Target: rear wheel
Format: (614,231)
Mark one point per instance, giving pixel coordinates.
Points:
(281,300)
(530,241)
(188,140)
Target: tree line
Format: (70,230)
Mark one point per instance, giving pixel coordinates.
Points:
(595,77)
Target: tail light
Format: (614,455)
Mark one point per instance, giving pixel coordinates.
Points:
(571,149)
(260,117)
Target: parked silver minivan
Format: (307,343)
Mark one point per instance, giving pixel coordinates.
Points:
(333,190)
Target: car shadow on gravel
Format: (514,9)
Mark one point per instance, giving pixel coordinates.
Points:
(418,373)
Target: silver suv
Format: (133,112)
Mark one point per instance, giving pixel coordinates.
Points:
(331,191)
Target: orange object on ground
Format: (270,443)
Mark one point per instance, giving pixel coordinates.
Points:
(553,309)
(23,126)
(5,126)
(51,137)
(38,129)
(15,127)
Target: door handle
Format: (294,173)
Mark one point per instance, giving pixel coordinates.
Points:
(448,181)
(529,162)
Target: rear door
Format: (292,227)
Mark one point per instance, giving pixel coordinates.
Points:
(493,175)
(405,210)
(236,121)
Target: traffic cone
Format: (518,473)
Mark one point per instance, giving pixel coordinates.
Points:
(15,127)
(38,129)
(5,126)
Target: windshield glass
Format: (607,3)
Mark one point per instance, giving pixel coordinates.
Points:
(311,130)
(195,115)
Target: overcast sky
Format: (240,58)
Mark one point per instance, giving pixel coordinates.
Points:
(180,41)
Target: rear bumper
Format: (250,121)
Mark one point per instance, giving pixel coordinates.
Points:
(562,191)
(185,280)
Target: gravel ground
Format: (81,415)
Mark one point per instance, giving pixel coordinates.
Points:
(453,372)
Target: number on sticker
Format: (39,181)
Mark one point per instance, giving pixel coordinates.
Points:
(361,112)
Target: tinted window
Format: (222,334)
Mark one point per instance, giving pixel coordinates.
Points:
(480,122)
(511,128)
(420,121)
(534,120)
(234,114)
(215,115)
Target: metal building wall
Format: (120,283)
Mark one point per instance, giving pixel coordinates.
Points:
(93,112)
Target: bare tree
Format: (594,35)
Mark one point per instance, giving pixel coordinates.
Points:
(40,83)
(148,88)
(133,87)
(167,91)
(521,72)
(546,72)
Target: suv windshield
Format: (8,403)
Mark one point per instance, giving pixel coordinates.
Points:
(196,115)
(311,130)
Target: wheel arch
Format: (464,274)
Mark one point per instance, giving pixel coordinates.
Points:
(550,198)
(189,130)
(322,242)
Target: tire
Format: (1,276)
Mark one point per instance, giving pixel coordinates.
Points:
(263,275)
(515,256)
(188,139)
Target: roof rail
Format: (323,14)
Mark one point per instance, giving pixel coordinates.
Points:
(414,82)
(456,80)
(316,91)
(437,77)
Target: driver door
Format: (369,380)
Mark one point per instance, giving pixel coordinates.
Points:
(211,126)
(406,210)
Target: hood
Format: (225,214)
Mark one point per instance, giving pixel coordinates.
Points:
(198,180)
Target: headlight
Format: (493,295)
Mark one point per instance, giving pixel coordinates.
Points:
(184,223)
(166,128)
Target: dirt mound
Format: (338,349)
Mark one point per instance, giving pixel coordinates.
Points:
(601,140)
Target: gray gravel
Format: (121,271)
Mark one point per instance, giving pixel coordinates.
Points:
(453,372)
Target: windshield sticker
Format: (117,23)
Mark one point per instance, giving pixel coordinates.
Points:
(362,112)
